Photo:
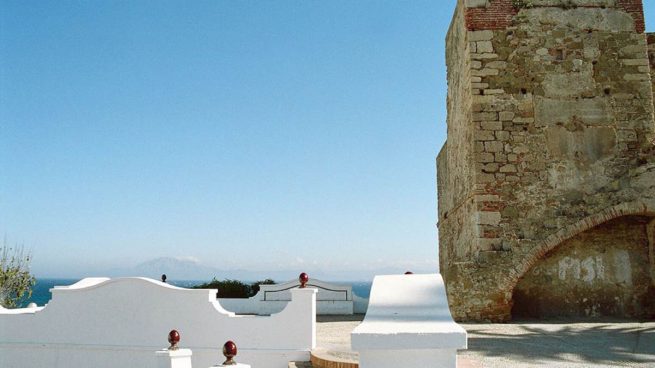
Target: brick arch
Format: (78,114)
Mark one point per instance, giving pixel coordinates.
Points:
(554,240)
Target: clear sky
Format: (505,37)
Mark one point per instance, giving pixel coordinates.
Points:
(253,134)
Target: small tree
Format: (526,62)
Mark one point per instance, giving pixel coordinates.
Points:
(16,281)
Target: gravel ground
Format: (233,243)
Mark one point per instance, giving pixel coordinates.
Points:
(528,344)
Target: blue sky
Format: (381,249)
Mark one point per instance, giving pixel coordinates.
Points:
(259,135)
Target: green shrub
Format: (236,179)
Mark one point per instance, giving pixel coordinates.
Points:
(255,287)
(16,281)
(234,288)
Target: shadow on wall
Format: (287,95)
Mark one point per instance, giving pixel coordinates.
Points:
(600,343)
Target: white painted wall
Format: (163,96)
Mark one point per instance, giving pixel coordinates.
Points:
(408,324)
(331,299)
(120,323)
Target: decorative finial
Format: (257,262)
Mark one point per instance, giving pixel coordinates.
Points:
(303,278)
(163,278)
(409,273)
(173,339)
(229,351)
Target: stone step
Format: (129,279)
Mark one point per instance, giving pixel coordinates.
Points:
(300,365)
(333,359)
(323,358)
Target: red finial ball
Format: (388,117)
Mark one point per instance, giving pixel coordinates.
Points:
(173,339)
(303,278)
(409,273)
(230,351)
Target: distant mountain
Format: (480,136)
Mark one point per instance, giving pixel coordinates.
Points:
(182,269)
(174,268)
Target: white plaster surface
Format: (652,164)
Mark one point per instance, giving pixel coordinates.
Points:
(408,318)
(332,299)
(120,322)
(180,358)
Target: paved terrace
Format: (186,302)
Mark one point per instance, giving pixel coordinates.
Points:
(524,344)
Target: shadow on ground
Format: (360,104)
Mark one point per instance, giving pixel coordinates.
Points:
(591,343)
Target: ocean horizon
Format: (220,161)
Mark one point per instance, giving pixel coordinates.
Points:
(41,291)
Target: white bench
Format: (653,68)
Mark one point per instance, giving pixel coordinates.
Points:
(408,324)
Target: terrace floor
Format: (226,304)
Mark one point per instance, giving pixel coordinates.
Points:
(604,343)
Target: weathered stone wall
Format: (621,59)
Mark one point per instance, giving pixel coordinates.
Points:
(561,125)
(650,39)
(455,165)
(603,271)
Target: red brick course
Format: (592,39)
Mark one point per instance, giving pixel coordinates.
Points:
(498,15)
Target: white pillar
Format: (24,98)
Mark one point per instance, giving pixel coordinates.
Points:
(180,358)
(304,310)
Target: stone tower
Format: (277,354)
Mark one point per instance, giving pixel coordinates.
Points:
(546,183)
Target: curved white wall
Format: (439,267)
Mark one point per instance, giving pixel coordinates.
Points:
(121,322)
(331,299)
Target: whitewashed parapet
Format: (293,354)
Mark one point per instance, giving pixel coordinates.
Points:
(120,322)
(180,358)
(332,299)
(408,324)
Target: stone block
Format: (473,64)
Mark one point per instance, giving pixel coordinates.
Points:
(485,56)
(485,35)
(476,3)
(493,146)
(489,244)
(484,135)
(486,198)
(635,62)
(473,48)
(502,135)
(491,125)
(496,64)
(485,157)
(592,111)
(500,157)
(488,218)
(506,115)
(636,77)
(490,167)
(484,47)
(509,168)
(494,91)
(485,116)
(484,72)
(486,178)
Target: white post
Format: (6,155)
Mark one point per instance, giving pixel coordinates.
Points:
(305,311)
(180,358)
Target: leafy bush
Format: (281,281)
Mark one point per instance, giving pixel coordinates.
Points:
(16,281)
(255,287)
(234,288)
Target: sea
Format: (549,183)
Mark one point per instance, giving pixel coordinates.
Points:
(41,291)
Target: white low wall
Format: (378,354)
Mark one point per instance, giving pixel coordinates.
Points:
(105,323)
(408,324)
(331,299)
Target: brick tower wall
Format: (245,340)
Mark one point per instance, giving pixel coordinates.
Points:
(550,129)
